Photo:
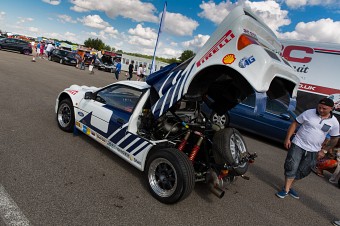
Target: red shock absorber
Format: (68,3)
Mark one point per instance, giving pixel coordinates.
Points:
(197,146)
(184,141)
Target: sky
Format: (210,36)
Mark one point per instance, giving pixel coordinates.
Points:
(132,25)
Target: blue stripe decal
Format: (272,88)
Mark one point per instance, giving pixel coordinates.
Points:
(127,141)
(135,145)
(141,149)
(118,136)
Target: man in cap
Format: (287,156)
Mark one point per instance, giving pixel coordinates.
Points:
(314,125)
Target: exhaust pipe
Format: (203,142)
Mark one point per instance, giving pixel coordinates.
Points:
(215,184)
(216,190)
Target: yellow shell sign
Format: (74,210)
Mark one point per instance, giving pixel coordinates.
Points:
(229,59)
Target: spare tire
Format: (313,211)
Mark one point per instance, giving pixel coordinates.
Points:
(229,147)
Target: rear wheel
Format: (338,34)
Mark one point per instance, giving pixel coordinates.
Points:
(229,146)
(170,175)
(65,116)
(26,52)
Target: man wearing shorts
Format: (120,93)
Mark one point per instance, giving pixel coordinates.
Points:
(306,145)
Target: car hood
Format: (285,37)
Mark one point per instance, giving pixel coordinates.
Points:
(213,71)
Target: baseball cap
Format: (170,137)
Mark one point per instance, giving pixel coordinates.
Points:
(327,102)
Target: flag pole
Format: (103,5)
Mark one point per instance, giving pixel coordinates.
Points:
(152,70)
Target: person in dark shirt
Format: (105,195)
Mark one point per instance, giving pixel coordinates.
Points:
(130,70)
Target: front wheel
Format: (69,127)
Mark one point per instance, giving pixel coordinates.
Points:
(229,146)
(220,120)
(170,175)
(65,116)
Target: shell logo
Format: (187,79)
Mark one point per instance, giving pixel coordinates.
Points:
(229,59)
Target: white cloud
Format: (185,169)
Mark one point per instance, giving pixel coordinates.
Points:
(216,13)
(24,20)
(323,30)
(132,9)
(65,18)
(269,11)
(33,29)
(147,33)
(302,3)
(179,24)
(2,15)
(52,2)
(196,43)
(94,21)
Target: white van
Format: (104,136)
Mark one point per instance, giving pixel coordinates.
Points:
(318,66)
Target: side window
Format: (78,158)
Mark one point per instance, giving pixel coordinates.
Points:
(275,107)
(121,97)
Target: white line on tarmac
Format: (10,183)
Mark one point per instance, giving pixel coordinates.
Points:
(9,211)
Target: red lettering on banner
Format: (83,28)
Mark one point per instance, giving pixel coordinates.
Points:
(219,45)
(288,49)
(318,89)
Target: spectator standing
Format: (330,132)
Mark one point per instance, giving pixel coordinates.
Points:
(130,70)
(306,145)
(49,49)
(34,51)
(118,69)
(139,72)
(42,49)
(91,66)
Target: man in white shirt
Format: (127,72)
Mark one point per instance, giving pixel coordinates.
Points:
(306,144)
(49,49)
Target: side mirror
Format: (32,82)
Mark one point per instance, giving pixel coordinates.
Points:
(89,96)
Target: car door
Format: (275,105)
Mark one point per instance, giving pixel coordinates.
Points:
(109,109)
(10,44)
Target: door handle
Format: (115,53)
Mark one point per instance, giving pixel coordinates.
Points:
(120,121)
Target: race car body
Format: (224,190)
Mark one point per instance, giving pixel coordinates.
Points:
(158,125)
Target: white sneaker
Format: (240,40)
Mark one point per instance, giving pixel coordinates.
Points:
(336,223)
(332,180)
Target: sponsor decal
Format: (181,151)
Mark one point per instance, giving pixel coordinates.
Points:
(317,89)
(73,92)
(229,59)
(250,33)
(86,130)
(77,124)
(101,139)
(120,150)
(81,114)
(245,61)
(227,37)
(93,133)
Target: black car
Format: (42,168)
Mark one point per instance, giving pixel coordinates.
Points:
(16,45)
(64,57)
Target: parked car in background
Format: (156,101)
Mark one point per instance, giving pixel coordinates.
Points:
(16,45)
(273,123)
(110,67)
(64,57)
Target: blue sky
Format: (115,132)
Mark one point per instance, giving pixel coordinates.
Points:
(132,25)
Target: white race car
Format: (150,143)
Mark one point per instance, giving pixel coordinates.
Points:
(158,126)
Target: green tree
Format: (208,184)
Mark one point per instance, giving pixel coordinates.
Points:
(94,43)
(186,55)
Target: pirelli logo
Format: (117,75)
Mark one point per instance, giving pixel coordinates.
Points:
(219,45)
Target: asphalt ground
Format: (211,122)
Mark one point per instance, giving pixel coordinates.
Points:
(56,178)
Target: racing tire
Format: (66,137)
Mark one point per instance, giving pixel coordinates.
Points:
(229,146)
(170,175)
(220,120)
(65,116)
(61,61)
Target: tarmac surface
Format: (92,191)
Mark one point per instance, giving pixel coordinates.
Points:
(49,177)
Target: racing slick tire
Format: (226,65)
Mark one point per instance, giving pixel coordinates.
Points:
(170,175)
(65,116)
(229,146)
(220,120)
